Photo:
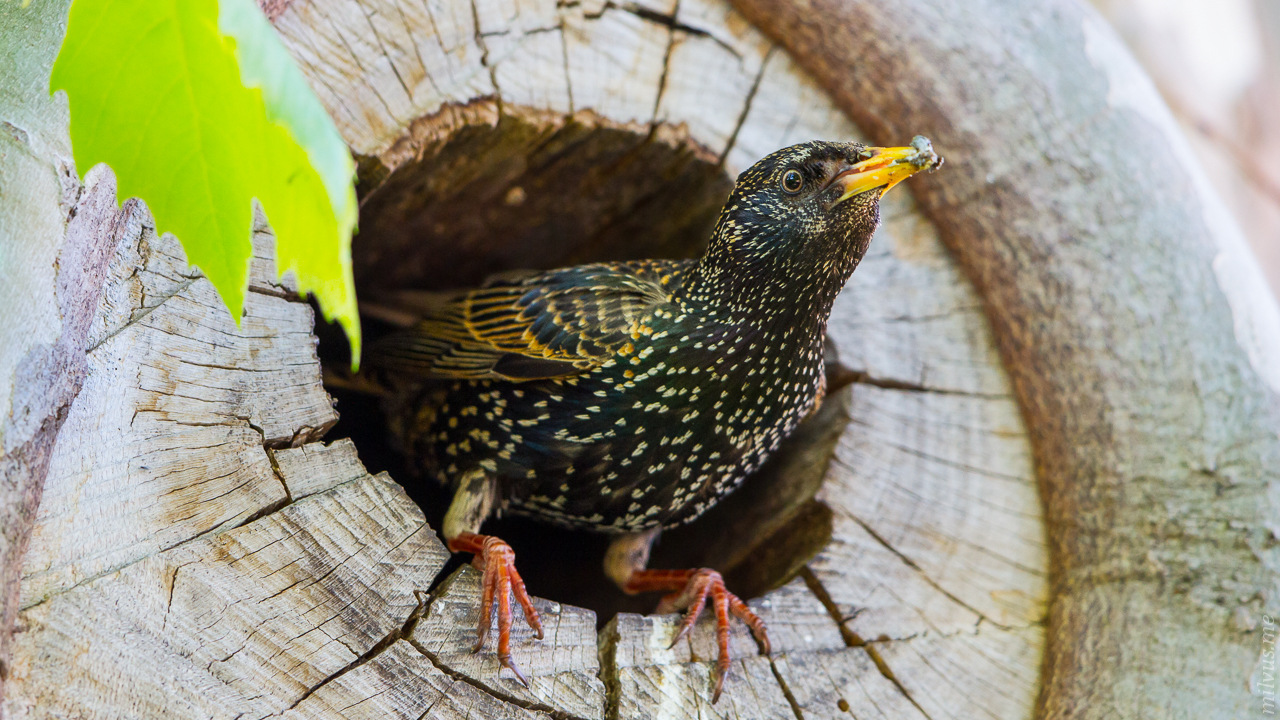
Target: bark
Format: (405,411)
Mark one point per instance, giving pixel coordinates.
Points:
(48,299)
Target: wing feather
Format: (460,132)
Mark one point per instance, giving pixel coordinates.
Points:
(554,324)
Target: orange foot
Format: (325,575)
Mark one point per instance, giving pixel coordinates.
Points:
(497,561)
(689,589)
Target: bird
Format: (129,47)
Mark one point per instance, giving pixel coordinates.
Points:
(629,397)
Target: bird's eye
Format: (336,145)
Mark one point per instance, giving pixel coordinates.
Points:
(792,181)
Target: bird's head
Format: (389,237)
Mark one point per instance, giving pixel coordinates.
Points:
(803,216)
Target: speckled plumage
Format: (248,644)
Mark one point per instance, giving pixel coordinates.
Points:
(631,395)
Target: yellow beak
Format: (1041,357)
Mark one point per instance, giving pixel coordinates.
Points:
(886,167)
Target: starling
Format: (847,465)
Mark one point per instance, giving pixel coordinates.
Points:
(629,397)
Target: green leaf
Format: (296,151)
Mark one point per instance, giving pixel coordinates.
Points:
(199,110)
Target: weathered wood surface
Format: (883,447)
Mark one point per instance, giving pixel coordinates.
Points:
(186,561)
(1141,339)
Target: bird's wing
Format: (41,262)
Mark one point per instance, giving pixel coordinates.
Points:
(555,324)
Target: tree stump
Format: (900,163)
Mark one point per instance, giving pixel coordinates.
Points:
(201,549)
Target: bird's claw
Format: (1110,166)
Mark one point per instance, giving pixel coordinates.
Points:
(510,664)
(691,590)
(499,580)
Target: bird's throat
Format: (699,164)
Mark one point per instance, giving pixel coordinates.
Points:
(794,296)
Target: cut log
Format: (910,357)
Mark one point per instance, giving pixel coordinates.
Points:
(287,580)
(200,551)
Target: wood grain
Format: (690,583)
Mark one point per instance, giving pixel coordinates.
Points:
(171,377)
(251,620)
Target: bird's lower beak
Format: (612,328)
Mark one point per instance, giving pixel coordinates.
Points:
(887,167)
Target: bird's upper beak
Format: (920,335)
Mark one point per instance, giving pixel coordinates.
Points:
(886,167)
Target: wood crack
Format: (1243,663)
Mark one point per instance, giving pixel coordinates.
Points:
(404,20)
(484,58)
(923,575)
(173,584)
(111,570)
(671,21)
(355,57)
(264,511)
(487,689)
(840,376)
(608,652)
(916,452)
(852,639)
(666,62)
(276,291)
(399,633)
(786,690)
(564,62)
(141,313)
(315,75)
(746,108)
(275,470)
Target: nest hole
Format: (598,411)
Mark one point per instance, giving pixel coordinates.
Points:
(471,192)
